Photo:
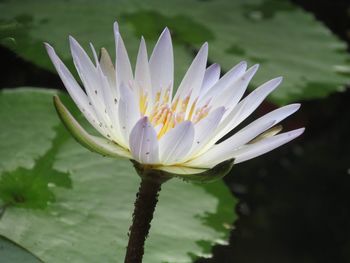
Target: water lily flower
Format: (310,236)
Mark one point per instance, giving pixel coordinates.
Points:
(139,118)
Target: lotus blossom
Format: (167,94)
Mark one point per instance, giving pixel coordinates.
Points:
(139,118)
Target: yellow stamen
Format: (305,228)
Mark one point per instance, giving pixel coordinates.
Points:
(157,96)
(192,109)
(174,105)
(165,115)
(168,124)
(201,113)
(143,103)
(184,104)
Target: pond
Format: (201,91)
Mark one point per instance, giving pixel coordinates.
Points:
(288,206)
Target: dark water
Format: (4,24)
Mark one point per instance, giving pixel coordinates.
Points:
(294,202)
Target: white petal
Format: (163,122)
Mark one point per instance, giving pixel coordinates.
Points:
(176,143)
(266,145)
(246,152)
(246,107)
(122,64)
(242,111)
(70,83)
(74,90)
(226,80)
(220,152)
(93,143)
(162,64)
(144,143)
(142,72)
(108,70)
(193,79)
(211,76)
(234,92)
(93,50)
(88,74)
(111,111)
(181,170)
(129,112)
(276,116)
(205,128)
(85,67)
(258,126)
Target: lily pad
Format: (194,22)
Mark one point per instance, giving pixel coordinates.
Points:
(11,253)
(89,221)
(283,38)
(25,108)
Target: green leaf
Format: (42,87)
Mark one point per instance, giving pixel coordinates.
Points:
(31,188)
(27,188)
(12,253)
(25,108)
(89,221)
(21,186)
(284,39)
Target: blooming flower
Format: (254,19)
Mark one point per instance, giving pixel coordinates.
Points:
(140,119)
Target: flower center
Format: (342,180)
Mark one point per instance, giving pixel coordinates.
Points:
(165,115)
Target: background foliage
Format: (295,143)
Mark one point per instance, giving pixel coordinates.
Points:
(53,192)
(284,39)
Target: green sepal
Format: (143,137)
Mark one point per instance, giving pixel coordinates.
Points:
(209,175)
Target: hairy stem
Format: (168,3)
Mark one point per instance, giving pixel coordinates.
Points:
(145,204)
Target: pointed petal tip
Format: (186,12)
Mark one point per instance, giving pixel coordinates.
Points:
(165,34)
(143,44)
(52,54)
(116,31)
(55,99)
(255,67)
(215,65)
(49,48)
(104,51)
(291,135)
(297,132)
(243,62)
(252,70)
(204,49)
(116,26)
(290,109)
(241,66)
(72,41)
(272,83)
(279,79)
(295,106)
(276,82)
(46,44)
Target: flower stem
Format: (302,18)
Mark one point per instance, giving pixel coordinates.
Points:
(145,204)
